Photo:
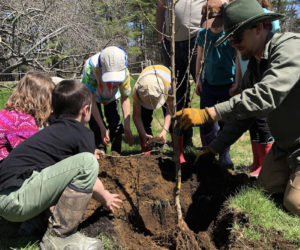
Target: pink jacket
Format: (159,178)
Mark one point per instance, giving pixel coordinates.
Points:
(15,127)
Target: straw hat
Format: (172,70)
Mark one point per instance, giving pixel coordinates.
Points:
(151,91)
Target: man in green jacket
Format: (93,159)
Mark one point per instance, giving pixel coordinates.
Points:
(271,88)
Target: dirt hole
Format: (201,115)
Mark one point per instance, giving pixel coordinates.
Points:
(148,218)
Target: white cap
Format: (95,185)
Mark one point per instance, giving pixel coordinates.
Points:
(151,91)
(113,64)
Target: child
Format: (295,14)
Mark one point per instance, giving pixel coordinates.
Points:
(27,109)
(151,92)
(107,77)
(56,167)
(219,72)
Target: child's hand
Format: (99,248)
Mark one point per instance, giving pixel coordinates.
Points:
(111,201)
(99,153)
(146,137)
(105,137)
(163,135)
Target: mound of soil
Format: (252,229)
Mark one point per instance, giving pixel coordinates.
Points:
(148,218)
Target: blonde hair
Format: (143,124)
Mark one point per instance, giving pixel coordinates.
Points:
(33,96)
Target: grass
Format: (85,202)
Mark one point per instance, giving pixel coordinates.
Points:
(263,213)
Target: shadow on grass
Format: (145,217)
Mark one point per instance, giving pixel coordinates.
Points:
(9,237)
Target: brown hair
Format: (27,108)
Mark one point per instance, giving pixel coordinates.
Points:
(68,97)
(33,96)
(265,4)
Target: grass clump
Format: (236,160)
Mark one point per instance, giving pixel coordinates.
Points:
(264,214)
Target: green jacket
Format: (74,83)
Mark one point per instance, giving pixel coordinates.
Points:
(272,89)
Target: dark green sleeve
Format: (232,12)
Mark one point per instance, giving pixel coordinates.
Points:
(230,133)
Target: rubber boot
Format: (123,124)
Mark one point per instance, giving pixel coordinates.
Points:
(64,221)
(180,145)
(255,164)
(144,148)
(262,150)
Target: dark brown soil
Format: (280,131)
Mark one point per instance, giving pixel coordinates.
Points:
(148,218)
(155,142)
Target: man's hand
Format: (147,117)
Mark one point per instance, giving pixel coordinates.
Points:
(192,116)
(128,136)
(105,137)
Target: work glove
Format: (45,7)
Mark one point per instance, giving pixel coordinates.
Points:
(206,154)
(192,116)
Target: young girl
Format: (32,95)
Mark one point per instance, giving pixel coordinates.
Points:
(27,109)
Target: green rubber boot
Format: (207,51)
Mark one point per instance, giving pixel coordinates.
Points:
(76,241)
(64,220)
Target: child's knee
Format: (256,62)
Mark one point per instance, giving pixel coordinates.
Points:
(90,162)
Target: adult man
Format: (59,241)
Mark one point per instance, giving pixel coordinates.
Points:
(273,89)
(187,23)
(107,77)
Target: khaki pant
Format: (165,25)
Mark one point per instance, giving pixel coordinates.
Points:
(277,177)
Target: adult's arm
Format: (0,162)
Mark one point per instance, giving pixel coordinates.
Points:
(278,80)
(230,133)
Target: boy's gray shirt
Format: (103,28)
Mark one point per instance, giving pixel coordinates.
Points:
(272,89)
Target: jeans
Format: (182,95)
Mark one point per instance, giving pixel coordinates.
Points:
(210,96)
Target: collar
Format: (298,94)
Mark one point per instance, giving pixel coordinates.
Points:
(266,52)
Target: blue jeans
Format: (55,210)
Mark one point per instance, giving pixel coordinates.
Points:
(210,96)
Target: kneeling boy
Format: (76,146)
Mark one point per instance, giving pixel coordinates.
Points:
(57,168)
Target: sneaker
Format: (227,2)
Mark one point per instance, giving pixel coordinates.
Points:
(76,241)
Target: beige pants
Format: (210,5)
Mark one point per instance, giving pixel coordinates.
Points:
(276,177)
